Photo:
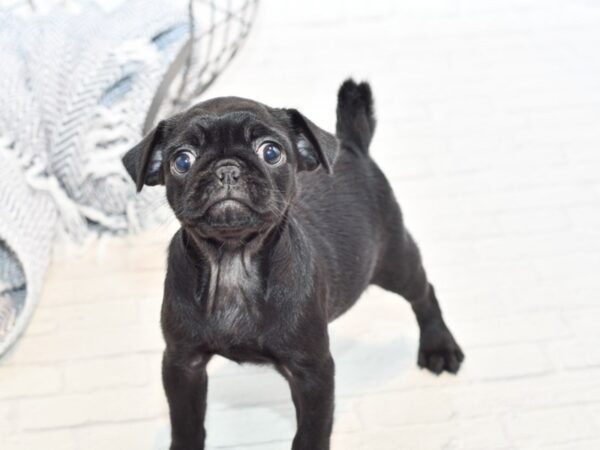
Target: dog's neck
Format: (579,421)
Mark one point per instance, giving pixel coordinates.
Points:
(233,280)
(233,271)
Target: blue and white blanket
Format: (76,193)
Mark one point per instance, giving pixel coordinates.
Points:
(76,85)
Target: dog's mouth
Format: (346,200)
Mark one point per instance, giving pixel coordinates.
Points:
(229,213)
(227,219)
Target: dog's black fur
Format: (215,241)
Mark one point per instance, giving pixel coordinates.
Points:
(268,255)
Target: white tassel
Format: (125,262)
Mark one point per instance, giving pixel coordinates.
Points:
(70,217)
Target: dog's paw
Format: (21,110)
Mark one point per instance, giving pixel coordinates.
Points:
(438,351)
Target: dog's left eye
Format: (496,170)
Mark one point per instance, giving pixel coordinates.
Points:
(182,162)
(270,152)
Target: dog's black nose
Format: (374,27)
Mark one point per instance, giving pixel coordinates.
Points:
(228,172)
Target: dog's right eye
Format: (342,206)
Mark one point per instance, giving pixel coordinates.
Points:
(182,162)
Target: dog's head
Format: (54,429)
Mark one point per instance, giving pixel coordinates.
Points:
(230,164)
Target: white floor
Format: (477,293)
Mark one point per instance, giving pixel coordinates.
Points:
(489,130)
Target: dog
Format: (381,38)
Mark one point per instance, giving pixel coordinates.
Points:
(283,226)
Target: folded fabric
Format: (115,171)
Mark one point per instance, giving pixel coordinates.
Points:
(77,85)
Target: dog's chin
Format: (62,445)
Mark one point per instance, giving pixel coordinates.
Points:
(227,220)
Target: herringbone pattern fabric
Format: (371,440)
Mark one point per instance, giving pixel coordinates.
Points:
(77,83)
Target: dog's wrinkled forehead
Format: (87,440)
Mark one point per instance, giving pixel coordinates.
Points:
(227,124)
(226,120)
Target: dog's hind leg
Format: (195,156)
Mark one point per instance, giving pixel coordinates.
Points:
(400,270)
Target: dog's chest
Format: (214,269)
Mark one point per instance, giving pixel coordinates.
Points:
(233,292)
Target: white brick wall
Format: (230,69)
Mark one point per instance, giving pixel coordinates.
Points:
(101,373)
(488,130)
(27,381)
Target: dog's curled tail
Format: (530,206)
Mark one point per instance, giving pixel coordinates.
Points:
(355,118)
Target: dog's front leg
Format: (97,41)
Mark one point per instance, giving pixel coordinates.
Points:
(312,386)
(185,382)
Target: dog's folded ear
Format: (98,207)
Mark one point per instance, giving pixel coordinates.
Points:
(144,161)
(315,145)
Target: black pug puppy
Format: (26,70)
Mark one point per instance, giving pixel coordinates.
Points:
(283,226)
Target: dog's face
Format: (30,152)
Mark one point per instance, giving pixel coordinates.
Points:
(230,164)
